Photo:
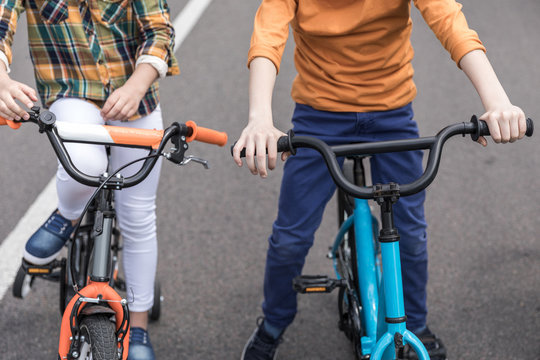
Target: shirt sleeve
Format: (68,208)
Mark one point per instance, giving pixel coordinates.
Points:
(447,21)
(157,32)
(271,30)
(9,16)
(158,64)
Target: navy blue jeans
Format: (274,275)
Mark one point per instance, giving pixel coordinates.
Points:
(307,187)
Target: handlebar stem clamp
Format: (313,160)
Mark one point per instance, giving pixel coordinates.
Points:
(385,192)
(115,183)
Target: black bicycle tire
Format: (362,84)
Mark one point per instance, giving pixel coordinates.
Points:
(100,331)
(66,289)
(346,206)
(18,283)
(155,311)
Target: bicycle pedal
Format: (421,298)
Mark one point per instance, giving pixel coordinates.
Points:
(38,270)
(310,284)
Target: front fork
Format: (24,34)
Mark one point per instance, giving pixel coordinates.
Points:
(103,299)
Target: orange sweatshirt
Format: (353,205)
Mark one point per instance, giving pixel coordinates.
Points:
(355,55)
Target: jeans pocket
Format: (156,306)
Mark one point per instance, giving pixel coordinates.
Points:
(54,11)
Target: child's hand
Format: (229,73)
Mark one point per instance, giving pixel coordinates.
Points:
(10,91)
(506,124)
(123,103)
(258,138)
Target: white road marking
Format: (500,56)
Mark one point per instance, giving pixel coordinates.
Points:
(187,19)
(12,247)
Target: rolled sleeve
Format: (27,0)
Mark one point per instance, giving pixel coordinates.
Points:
(158,64)
(447,21)
(157,32)
(9,16)
(271,30)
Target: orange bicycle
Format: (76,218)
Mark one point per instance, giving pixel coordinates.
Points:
(95,321)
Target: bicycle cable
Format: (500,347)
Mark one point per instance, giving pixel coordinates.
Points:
(98,189)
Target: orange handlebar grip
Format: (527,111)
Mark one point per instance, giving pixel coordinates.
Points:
(206,135)
(9,123)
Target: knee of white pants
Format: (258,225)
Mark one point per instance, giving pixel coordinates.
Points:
(137,222)
(72,195)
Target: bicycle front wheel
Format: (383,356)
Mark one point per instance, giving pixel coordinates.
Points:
(98,337)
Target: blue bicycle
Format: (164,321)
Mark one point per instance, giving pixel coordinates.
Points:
(365,254)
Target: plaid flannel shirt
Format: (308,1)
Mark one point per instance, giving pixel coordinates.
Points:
(88,48)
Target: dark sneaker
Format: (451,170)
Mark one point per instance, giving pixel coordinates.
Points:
(433,344)
(47,242)
(261,345)
(140,347)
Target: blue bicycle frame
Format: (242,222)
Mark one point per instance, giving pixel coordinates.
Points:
(381,295)
(379,292)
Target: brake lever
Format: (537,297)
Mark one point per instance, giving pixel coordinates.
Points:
(198,160)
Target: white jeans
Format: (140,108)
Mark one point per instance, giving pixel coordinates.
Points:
(135,206)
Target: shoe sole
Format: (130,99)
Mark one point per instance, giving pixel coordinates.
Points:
(38,260)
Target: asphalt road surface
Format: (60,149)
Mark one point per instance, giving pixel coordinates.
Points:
(482,210)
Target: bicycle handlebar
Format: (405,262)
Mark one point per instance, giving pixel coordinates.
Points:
(60,132)
(206,135)
(434,144)
(11,124)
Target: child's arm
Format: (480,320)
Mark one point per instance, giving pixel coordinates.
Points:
(270,33)
(506,122)
(157,36)
(154,59)
(11,90)
(260,133)
(124,101)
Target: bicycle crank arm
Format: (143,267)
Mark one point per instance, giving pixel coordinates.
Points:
(310,284)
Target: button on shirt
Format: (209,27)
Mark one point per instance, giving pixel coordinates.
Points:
(88,48)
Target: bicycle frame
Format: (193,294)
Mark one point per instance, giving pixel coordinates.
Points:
(369,274)
(98,293)
(380,295)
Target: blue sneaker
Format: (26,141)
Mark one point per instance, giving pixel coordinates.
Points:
(140,347)
(47,242)
(261,345)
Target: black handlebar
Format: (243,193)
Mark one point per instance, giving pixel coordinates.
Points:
(46,121)
(434,144)
(96,181)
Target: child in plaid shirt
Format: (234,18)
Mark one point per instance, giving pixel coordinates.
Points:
(99,60)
